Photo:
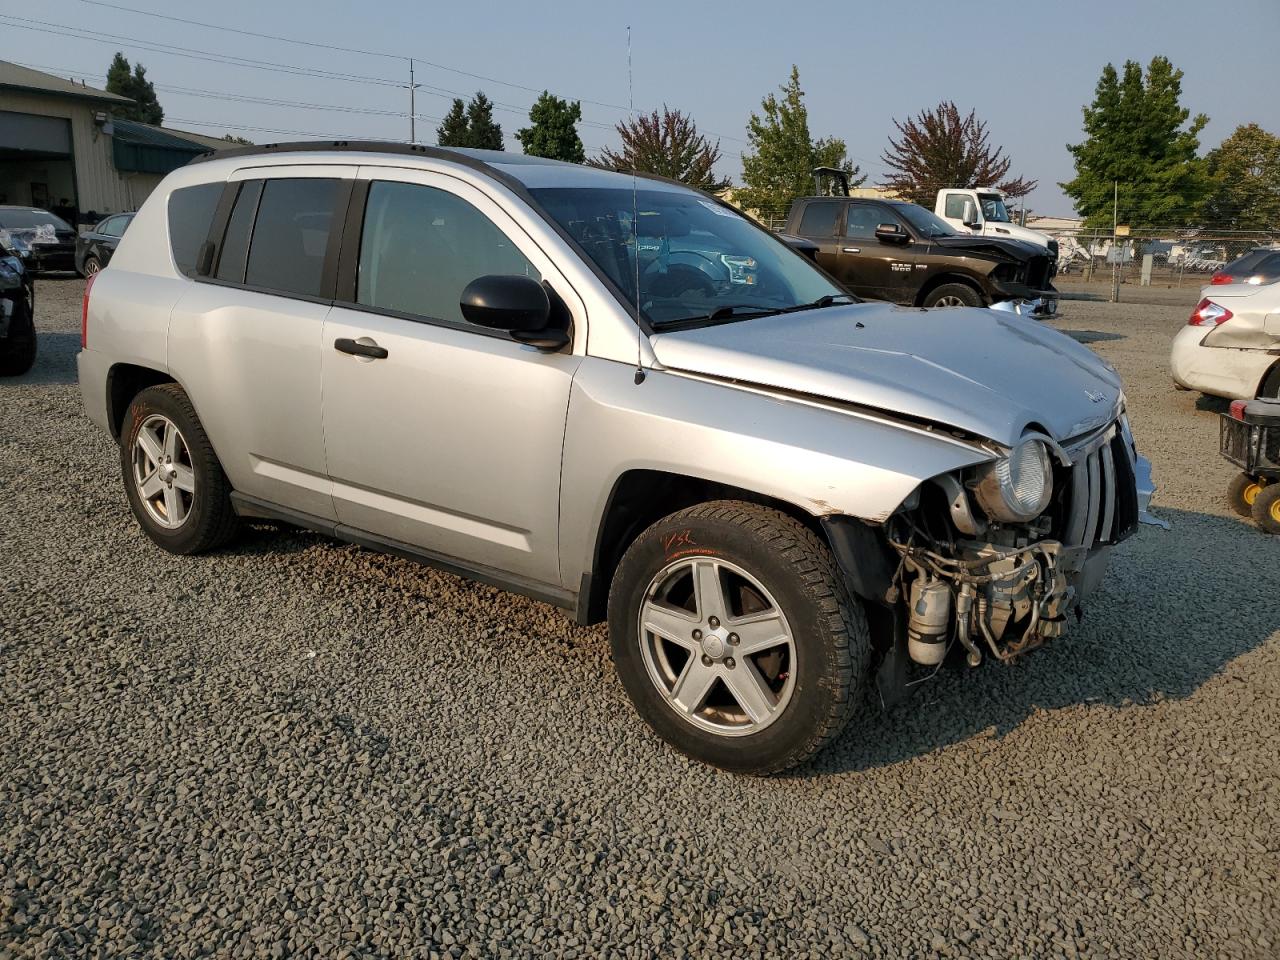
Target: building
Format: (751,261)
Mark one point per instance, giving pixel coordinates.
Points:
(61,148)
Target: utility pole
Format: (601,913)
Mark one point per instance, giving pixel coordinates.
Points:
(1115,250)
(412,87)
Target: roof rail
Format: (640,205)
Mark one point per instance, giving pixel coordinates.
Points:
(355,146)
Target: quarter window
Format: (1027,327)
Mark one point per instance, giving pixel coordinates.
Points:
(819,219)
(235,243)
(291,235)
(191,212)
(421,247)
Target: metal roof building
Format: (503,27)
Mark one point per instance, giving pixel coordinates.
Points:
(61,148)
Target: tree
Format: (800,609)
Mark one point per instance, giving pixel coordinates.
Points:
(939,148)
(1244,181)
(1134,136)
(232,138)
(470,125)
(668,144)
(552,130)
(780,166)
(133,83)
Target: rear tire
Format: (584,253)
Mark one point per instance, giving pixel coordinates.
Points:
(175,484)
(1241,493)
(1266,508)
(91,266)
(953,295)
(757,699)
(18,349)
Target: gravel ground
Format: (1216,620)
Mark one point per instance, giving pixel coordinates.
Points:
(299,748)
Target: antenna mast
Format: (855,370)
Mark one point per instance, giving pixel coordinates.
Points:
(635,221)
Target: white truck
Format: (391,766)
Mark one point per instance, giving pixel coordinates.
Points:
(982,211)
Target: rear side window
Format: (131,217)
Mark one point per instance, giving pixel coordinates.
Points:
(235,243)
(291,235)
(819,219)
(955,206)
(190,216)
(422,246)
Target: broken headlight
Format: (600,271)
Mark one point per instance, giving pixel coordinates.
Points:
(1016,488)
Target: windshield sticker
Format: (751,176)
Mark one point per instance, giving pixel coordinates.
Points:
(717,209)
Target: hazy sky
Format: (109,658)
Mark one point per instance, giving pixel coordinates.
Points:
(1027,67)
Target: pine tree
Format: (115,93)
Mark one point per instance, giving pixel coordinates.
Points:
(552,130)
(669,145)
(939,148)
(1134,137)
(780,168)
(134,85)
(470,125)
(453,131)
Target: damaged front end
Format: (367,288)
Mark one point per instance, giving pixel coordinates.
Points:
(994,560)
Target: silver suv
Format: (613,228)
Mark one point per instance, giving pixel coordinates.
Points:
(619,396)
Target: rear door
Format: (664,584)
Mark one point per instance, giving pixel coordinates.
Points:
(871,267)
(245,341)
(450,442)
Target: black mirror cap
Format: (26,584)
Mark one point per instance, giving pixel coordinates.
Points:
(512,303)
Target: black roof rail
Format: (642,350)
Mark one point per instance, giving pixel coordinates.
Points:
(355,146)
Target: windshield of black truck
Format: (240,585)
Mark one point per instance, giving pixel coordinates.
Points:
(925,223)
(693,259)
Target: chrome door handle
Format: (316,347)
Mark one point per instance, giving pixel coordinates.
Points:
(850,249)
(358,349)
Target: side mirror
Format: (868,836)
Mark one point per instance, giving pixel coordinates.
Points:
(518,305)
(971,218)
(891,233)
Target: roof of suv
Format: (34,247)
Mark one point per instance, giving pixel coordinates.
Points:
(528,172)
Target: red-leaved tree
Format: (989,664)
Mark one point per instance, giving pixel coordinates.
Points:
(939,148)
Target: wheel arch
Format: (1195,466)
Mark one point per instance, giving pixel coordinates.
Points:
(124,382)
(944,278)
(1269,385)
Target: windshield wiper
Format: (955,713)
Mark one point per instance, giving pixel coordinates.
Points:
(828,301)
(719,314)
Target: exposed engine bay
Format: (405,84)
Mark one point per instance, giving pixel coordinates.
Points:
(996,558)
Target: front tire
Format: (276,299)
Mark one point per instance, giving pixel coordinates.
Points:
(1242,492)
(953,295)
(18,349)
(736,638)
(91,266)
(175,484)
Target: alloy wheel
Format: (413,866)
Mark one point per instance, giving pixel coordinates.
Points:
(949,302)
(717,646)
(162,472)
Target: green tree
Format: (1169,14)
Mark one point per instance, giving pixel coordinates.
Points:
(939,148)
(552,130)
(780,166)
(1244,181)
(668,144)
(133,83)
(1135,136)
(470,125)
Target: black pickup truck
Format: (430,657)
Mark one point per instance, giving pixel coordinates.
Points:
(891,250)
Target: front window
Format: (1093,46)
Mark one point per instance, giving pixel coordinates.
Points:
(923,221)
(993,208)
(693,260)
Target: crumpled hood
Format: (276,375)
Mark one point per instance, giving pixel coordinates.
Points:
(986,372)
(995,248)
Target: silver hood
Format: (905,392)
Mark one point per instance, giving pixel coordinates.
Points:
(982,371)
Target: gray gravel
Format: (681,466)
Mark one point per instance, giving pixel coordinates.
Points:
(299,748)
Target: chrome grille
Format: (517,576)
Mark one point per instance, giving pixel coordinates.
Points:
(1102,503)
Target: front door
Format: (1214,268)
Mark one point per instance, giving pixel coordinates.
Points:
(871,267)
(450,442)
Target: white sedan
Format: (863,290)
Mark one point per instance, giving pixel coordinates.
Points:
(1230,346)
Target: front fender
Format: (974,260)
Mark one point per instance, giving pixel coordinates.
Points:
(823,460)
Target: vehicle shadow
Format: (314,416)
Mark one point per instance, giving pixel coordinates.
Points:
(1212,404)
(1171,615)
(55,360)
(1093,336)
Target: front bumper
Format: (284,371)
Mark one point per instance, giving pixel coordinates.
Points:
(45,258)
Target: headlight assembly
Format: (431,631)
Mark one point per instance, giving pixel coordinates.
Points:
(1018,487)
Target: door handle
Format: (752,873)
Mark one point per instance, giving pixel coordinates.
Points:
(850,249)
(357,349)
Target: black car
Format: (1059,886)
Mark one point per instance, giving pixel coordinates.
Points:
(46,243)
(897,251)
(1257,266)
(94,249)
(17,312)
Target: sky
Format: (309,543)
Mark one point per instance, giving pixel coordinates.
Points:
(1026,67)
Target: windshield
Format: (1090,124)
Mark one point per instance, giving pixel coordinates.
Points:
(925,223)
(696,260)
(993,208)
(30,219)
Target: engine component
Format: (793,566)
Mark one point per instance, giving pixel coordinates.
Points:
(927,627)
